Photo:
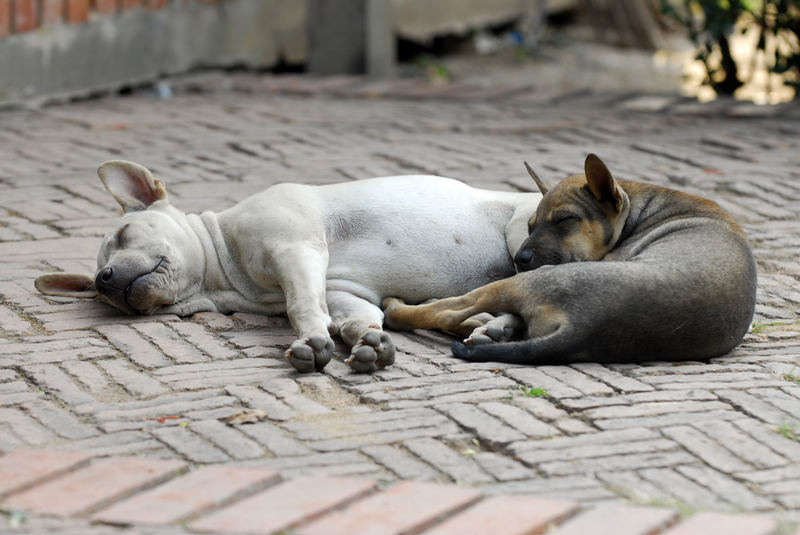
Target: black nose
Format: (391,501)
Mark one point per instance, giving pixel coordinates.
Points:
(523,257)
(107,274)
(103,283)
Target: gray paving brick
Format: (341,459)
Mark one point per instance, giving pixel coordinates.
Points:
(502,468)
(358,423)
(382,437)
(589,402)
(26,428)
(133,345)
(170,343)
(757,407)
(579,488)
(712,452)
(62,422)
(132,380)
(574,378)
(728,489)
(631,485)
(613,378)
(190,445)
(54,380)
(664,420)
(401,463)
(228,439)
(771,437)
(164,406)
(489,429)
(467,396)
(539,407)
(741,444)
(615,462)
(258,399)
(519,419)
(200,338)
(461,468)
(652,409)
(684,489)
(534,378)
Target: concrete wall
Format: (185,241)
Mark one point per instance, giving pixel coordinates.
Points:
(141,44)
(55,48)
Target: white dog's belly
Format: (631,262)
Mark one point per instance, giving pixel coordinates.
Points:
(435,240)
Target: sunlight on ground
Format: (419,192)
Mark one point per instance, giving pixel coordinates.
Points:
(761,87)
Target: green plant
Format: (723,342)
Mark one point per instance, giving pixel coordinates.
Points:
(531,392)
(434,71)
(759,326)
(790,376)
(787,431)
(711,23)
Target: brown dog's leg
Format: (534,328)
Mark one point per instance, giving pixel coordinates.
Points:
(450,313)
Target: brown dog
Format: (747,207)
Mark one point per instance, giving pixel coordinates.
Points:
(611,272)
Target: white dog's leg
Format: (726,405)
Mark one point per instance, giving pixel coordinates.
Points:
(359,324)
(300,271)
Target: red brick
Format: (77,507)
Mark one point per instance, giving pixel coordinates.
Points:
(156,4)
(187,495)
(510,515)
(704,523)
(618,520)
(104,6)
(130,4)
(93,486)
(23,468)
(285,505)
(5,17)
(52,11)
(408,506)
(77,11)
(25,15)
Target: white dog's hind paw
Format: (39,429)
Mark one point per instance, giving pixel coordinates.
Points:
(373,351)
(310,354)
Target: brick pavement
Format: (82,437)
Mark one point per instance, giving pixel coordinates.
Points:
(76,377)
(159,494)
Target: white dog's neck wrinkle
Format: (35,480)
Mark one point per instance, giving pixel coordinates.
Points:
(221,269)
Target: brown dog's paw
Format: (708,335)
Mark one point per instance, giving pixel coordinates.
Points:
(310,354)
(503,328)
(374,351)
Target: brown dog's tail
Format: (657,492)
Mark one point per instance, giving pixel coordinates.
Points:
(555,348)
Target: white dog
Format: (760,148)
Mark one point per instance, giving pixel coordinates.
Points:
(324,255)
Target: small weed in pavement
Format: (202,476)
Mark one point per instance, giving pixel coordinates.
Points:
(787,431)
(531,392)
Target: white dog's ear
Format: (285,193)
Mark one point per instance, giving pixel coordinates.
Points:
(66,285)
(131,184)
(543,186)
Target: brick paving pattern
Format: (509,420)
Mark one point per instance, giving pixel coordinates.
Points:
(644,442)
(228,499)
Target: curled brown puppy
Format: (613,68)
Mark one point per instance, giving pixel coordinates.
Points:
(612,271)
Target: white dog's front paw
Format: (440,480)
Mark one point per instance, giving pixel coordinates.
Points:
(373,351)
(310,354)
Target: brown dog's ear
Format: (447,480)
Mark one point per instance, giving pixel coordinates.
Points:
(131,184)
(543,186)
(66,285)
(601,182)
